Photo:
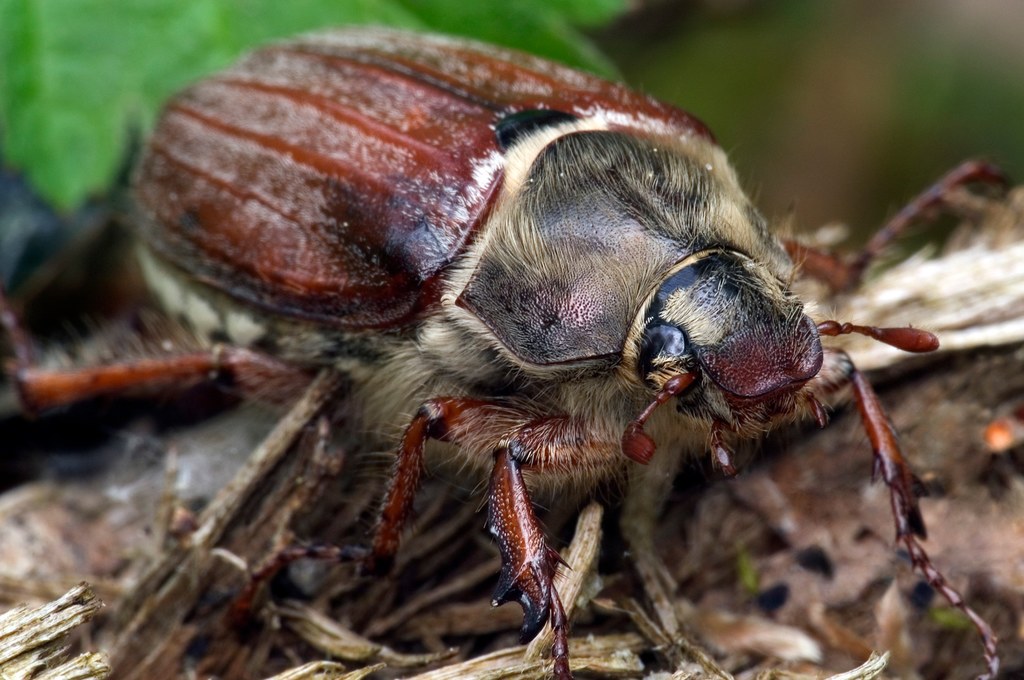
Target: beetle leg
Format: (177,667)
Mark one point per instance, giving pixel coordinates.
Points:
(41,389)
(966,173)
(528,564)
(817,410)
(904,489)
(842,274)
(889,461)
(552,445)
(549,445)
(241,611)
(434,420)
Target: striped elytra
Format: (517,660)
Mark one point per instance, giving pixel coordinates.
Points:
(333,177)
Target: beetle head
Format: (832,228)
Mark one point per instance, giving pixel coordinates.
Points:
(726,320)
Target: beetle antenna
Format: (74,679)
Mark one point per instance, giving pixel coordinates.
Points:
(905,338)
(636,443)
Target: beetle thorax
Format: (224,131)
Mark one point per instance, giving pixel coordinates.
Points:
(556,288)
(571,253)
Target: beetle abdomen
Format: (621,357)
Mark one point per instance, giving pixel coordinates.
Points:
(215,317)
(334,177)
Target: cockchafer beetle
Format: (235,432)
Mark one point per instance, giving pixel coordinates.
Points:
(526,259)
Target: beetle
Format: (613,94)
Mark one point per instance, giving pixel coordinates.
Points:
(519,262)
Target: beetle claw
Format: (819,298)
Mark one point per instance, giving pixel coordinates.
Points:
(528,565)
(532,586)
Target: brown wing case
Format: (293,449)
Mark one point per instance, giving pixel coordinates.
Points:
(333,177)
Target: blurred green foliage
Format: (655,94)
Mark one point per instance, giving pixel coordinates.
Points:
(77,77)
(838,110)
(830,110)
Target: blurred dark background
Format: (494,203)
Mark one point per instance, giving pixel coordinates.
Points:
(837,110)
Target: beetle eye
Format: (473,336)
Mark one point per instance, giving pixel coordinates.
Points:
(662,343)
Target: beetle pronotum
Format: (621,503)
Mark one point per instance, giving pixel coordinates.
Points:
(526,260)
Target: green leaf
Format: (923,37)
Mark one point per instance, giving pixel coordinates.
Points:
(77,77)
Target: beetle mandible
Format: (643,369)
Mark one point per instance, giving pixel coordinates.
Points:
(525,260)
